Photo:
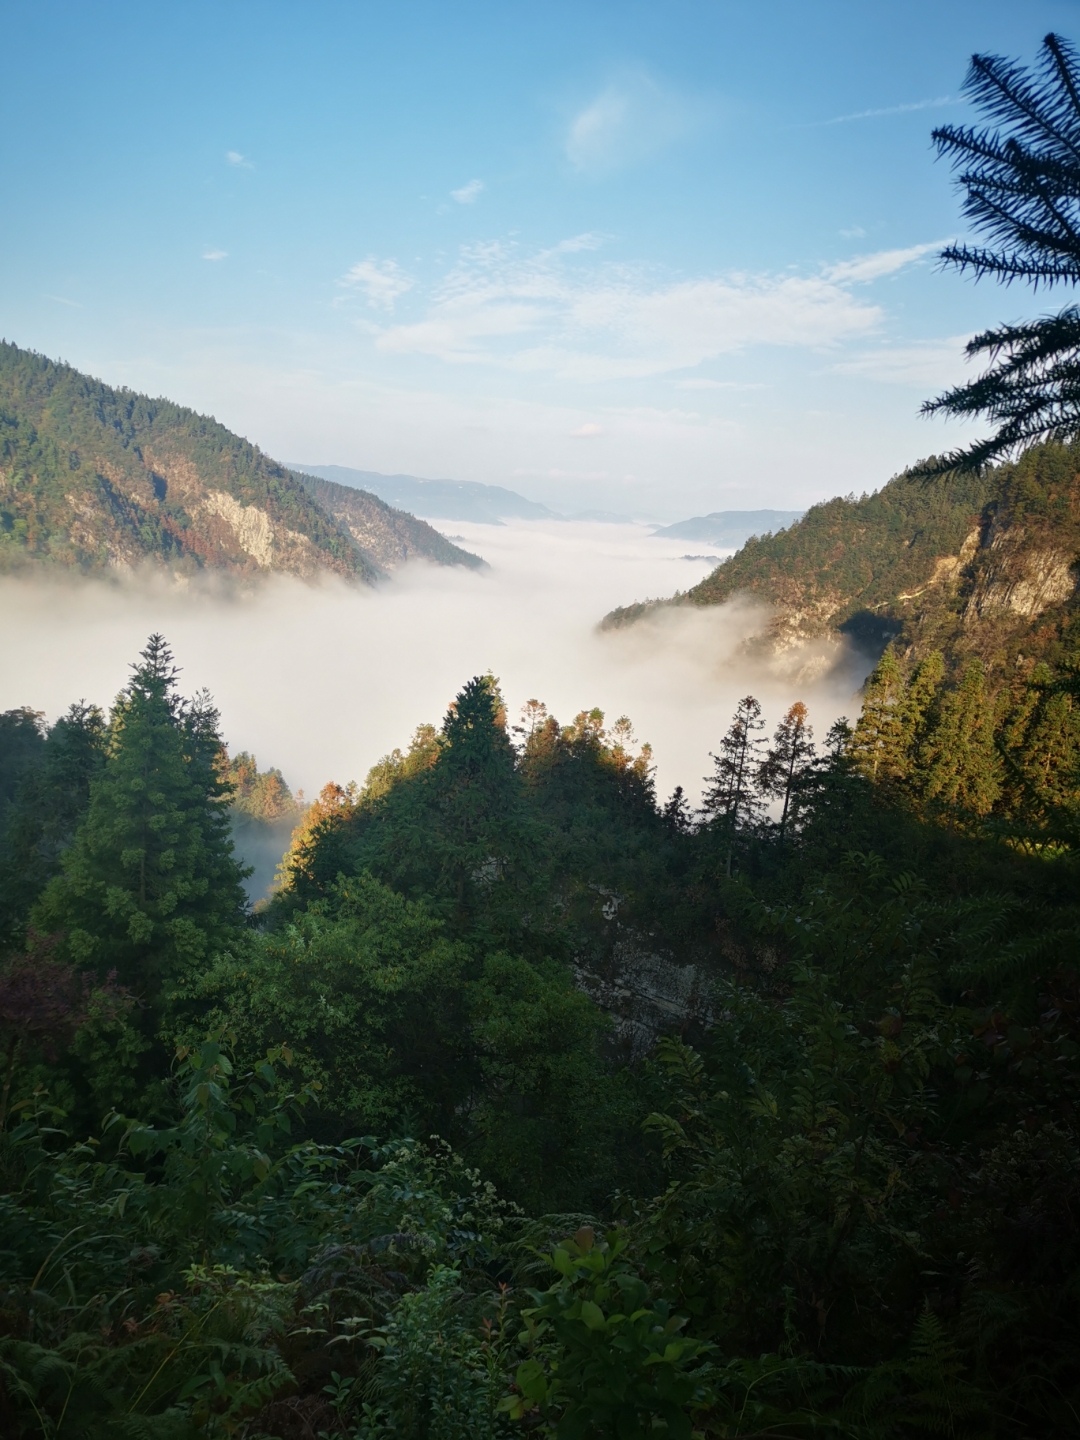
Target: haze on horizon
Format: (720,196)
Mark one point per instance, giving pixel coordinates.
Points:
(664,260)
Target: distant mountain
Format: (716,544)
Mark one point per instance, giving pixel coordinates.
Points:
(387,536)
(97,479)
(974,565)
(438,499)
(728,529)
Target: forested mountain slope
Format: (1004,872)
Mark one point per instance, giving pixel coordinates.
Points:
(93,479)
(388,536)
(980,565)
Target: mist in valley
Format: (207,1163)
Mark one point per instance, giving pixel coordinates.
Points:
(322,680)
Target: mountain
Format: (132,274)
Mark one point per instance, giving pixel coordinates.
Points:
(387,536)
(728,529)
(982,565)
(98,479)
(438,499)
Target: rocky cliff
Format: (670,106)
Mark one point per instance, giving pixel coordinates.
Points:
(976,565)
(387,536)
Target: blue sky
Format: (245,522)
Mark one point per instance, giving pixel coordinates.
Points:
(659,258)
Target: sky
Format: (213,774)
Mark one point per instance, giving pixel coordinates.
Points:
(657,258)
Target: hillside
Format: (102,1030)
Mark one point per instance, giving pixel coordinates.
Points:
(94,479)
(980,565)
(387,536)
(728,528)
(438,499)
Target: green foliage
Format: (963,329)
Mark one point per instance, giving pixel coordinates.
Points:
(605,1360)
(90,475)
(149,887)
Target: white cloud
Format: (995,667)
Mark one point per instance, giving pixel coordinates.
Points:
(930,364)
(629,121)
(552,313)
(381,281)
(233,157)
(215,254)
(884,262)
(63,300)
(588,431)
(468,193)
(855,233)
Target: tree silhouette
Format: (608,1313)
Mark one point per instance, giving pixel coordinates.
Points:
(1021,178)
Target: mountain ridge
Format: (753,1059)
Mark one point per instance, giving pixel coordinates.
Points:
(436,499)
(97,479)
(979,566)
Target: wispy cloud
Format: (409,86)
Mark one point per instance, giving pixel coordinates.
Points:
(63,300)
(884,262)
(561,312)
(630,120)
(588,431)
(241,162)
(380,281)
(215,254)
(855,233)
(468,193)
(928,365)
(892,110)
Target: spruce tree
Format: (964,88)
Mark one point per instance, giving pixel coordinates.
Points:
(1040,744)
(959,769)
(48,807)
(150,888)
(787,765)
(730,799)
(877,746)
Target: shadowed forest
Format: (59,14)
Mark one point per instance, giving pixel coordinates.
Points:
(371,1160)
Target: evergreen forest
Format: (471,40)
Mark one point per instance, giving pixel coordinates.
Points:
(381,1156)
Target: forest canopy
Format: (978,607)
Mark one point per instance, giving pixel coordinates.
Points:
(438,1143)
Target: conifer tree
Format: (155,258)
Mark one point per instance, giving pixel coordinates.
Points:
(730,797)
(1021,183)
(1040,745)
(150,887)
(877,746)
(787,765)
(48,806)
(959,770)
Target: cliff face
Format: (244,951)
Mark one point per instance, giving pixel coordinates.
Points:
(97,479)
(983,566)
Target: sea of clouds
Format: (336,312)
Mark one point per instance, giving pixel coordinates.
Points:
(321,680)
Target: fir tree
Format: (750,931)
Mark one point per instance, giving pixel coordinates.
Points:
(1040,745)
(787,765)
(150,887)
(877,746)
(959,769)
(730,797)
(1022,190)
(49,804)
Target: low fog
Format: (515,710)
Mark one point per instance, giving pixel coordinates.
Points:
(322,680)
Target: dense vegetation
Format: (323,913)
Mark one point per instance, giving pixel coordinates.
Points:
(93,478)
(929,563)
(375,1164)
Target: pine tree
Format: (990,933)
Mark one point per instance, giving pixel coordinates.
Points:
(730,798)
(787,765)
(48,807)
(913,714)
(1040,745)
(877,746)
(1022,187)
(959,770)
(150,887)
